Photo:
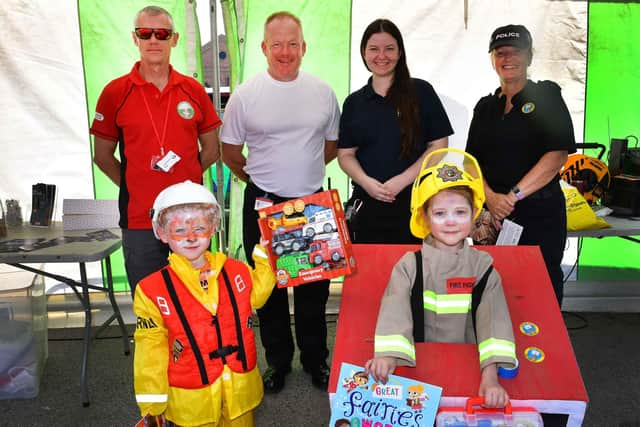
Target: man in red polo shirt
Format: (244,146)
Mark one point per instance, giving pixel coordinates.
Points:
(155,116)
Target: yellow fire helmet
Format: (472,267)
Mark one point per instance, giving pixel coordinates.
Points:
(592,174)
(441,169)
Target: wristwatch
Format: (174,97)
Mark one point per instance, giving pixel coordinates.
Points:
(516,191)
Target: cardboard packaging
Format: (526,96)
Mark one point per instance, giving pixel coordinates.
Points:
(309,240)
(85,214)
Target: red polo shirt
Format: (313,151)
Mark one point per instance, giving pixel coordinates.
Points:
(146,123)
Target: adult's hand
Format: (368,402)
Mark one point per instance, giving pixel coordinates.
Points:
(395,184)
(399,182)
(374,188)
(378,190)
(500,205)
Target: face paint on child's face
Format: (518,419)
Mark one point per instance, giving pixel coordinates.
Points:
(455,215)
(188,233)
(186,227)
(450,217)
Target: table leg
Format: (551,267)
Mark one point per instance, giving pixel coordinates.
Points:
(86,303)
(115,308)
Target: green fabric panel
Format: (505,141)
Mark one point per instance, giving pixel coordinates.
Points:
(233,14)
(612,111)
(327,32)
(108,52)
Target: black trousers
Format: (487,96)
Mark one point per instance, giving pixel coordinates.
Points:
(544,218)
(309,301)
(381,222)
(143,254)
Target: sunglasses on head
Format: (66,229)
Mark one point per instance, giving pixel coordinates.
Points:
(161,33)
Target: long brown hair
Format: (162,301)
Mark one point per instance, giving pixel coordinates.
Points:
(401,94)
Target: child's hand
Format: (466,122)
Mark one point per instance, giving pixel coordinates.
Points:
(263,242)
(154,420)
(380,368)
(494,395)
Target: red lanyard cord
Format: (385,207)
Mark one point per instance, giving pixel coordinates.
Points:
(153,123)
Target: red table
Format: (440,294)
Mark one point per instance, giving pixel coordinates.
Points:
(552,386)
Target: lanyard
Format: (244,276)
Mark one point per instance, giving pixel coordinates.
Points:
(153,123)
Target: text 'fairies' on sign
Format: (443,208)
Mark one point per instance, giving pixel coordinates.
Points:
(308,239)
(359,401)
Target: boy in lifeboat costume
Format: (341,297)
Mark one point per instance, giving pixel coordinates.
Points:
(195,352)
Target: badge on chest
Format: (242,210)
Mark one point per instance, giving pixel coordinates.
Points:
(460,285)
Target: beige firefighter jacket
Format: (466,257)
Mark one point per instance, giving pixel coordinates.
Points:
(448,279)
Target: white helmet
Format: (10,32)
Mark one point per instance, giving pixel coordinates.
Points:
(181,194)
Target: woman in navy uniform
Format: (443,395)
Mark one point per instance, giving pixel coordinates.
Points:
(521,136)
(386,129)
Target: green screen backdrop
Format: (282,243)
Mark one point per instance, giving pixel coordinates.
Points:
(612,111)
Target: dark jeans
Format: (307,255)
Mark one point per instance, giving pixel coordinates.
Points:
(309,301)
(143,254)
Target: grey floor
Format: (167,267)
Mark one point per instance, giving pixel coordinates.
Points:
(605,344)
(112,401)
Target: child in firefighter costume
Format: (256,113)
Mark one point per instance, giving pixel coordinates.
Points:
(195,353)
(448,291)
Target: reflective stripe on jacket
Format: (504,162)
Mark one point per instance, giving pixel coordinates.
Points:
(447,308)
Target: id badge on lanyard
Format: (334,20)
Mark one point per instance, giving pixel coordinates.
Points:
(161,162)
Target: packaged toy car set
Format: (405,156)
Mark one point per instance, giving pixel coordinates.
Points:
(308,239)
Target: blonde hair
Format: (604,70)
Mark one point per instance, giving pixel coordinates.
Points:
(212,212)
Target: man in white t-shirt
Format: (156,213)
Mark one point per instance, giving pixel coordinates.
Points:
(289,121)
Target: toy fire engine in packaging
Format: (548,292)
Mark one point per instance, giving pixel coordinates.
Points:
(308,237)
(474,415)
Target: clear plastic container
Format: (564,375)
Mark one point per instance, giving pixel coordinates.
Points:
(473,415)
(23,334)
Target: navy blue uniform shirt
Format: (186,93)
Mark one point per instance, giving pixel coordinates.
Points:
(507,146)
(370,123)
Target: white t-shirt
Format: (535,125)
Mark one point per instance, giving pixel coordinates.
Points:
(285,126)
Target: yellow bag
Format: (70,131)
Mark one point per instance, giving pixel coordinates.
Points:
(580,216)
